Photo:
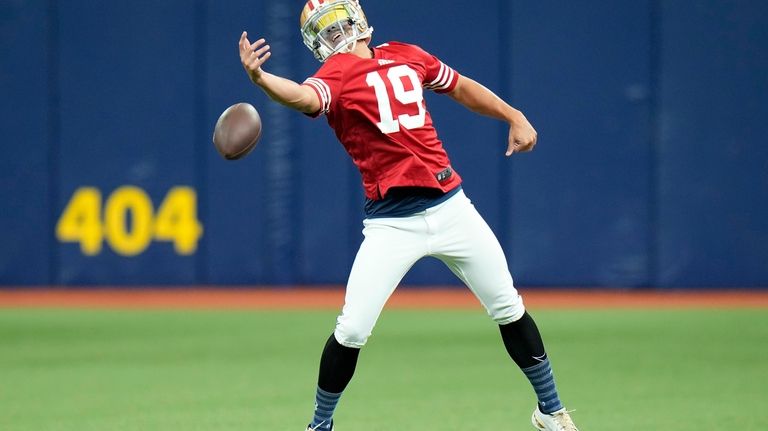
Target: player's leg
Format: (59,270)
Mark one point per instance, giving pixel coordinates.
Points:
(337,365)
(471,250)
(390,249)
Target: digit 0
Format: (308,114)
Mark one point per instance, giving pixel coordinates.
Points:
(125,240)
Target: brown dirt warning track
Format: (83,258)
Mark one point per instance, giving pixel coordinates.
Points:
(332,297)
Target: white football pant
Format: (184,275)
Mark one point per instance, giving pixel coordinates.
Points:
(453,232)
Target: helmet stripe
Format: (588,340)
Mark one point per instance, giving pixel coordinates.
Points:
(314,4)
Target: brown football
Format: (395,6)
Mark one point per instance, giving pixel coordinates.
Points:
(237,131)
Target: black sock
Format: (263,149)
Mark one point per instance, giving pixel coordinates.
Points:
(523,342)
(337,365)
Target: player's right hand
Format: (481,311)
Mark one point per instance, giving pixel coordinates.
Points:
(253,55)
(522,135)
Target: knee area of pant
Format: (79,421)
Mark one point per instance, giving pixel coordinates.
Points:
(350,338)
(508,314)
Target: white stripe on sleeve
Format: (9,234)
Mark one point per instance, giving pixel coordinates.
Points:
(324,91)
(443,80)
(448,80)
(439,75)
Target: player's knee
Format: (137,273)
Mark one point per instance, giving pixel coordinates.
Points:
(350,336)
(507,311)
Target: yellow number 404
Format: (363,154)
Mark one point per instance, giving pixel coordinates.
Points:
(176,220)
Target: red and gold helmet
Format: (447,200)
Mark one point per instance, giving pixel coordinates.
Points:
(332,26)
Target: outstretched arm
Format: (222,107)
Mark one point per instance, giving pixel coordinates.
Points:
(282,90)
(477,98)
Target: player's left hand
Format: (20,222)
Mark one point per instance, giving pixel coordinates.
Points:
(522,136)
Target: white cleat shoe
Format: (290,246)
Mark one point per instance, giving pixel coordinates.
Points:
(309,427)
(556,421)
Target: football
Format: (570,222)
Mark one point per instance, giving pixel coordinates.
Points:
(237,131)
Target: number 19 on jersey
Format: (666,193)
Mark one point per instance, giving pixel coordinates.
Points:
(387,122)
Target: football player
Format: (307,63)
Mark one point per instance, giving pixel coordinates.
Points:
(373,99)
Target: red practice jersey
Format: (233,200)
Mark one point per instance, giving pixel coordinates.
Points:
(377,109)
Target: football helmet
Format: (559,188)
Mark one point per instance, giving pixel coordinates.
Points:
(332,26)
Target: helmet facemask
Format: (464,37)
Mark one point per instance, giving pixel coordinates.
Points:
(332,27)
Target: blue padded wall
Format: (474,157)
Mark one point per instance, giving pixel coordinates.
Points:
(579,212)
(713,164)
(651,168)
(26,141)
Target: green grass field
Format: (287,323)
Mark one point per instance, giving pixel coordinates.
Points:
(438,370)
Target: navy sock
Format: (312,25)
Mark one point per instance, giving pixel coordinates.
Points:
(543,382)
(325,404)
